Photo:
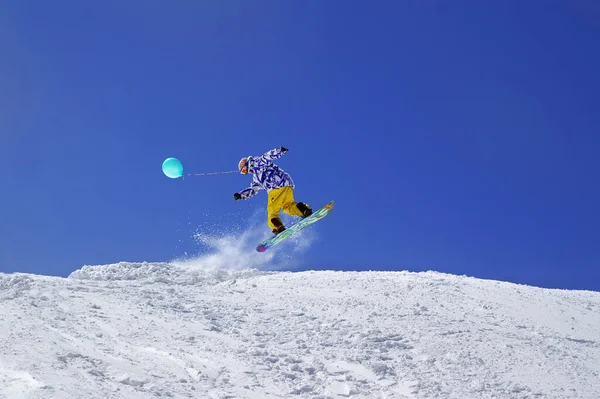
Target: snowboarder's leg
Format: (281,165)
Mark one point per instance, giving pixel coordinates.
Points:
(291,207)
(273,207)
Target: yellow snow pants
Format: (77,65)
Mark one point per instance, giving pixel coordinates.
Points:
(281,199)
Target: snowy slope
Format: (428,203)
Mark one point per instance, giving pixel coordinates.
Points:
(165,330)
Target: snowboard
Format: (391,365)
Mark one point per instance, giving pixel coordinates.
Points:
(296,227)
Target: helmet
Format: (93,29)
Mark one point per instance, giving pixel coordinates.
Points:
(243,165)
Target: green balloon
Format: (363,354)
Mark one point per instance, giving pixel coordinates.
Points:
(172,168)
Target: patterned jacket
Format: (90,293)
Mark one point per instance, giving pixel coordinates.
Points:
(265,174)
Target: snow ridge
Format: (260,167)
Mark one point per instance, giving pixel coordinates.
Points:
(167,273)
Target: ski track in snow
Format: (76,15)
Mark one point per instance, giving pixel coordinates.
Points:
(144,330)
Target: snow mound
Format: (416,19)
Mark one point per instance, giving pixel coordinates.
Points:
(150,273)
(14,285)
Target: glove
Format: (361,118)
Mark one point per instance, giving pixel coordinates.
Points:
(237,196)
(283,150)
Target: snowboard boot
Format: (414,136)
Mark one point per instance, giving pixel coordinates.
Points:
(279,227)
(305,209)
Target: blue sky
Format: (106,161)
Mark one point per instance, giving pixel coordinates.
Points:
(453,136)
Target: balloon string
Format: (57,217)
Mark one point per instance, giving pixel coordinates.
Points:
(212,173)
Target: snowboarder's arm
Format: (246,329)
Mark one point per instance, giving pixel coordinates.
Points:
(275,153)
(250,191)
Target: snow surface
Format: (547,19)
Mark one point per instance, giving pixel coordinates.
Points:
(177,330)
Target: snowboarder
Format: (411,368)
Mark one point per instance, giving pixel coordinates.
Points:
(278,184)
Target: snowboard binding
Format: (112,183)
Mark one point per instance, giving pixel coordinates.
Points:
(305,209)
(279,227)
